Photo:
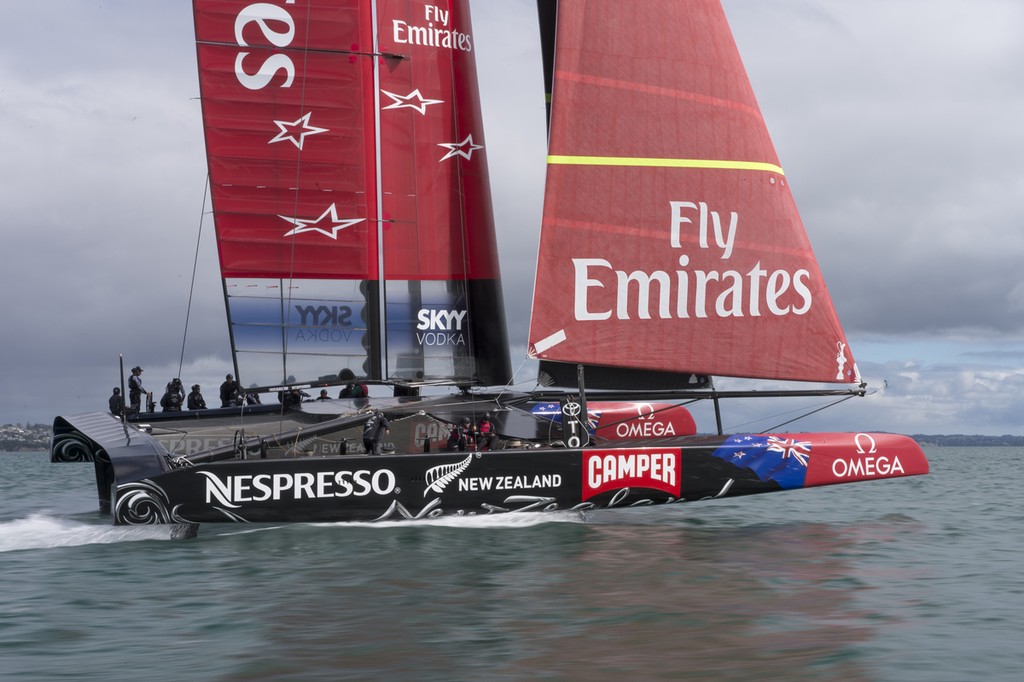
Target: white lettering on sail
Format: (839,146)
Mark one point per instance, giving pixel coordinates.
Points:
(430,35)
(583,282)
(643,283)
(722,240)
(441,327)
(689,292)
(440,320)
(266,16)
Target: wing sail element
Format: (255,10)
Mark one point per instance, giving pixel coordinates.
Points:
(350,195)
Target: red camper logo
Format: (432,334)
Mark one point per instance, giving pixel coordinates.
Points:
(652,468)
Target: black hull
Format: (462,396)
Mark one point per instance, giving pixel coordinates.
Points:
(140,483)
(361,488)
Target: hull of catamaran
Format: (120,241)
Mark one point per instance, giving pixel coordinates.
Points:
(138,482)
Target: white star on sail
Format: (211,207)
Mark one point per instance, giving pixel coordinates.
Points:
(414,100)
(336,226)
(464,149)
(288,131)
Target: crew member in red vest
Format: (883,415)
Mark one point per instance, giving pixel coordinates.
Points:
(486,438)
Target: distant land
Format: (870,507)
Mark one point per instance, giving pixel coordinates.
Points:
(36,437)
(24,437)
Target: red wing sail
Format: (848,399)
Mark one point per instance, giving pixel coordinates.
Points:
(444,309)
(670,239)
(344,241)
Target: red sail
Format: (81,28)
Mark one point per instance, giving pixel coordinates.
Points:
(349,189)
(670,239)
(289,137)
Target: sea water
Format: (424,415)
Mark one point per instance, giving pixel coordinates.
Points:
(910,579)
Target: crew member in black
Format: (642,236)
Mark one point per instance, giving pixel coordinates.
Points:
(195,399)
(323,394)
(136,389)
(173,397)
(252,397)
(292,396)
(372,431)
(461,435)
(116,402)
(355,391)
(229,392)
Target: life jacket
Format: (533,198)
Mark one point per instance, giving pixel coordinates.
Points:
(370,427)
(457,435)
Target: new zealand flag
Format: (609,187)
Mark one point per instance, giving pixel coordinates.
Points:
(772,458)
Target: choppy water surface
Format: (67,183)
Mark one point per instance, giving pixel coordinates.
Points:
(914,579)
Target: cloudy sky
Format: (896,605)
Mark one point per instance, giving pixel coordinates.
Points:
(898,123)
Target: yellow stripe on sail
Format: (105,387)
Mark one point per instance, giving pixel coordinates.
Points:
(645,162)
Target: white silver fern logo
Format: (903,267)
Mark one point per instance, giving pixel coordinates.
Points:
(439,477)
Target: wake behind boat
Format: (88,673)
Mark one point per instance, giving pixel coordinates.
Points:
(350,195)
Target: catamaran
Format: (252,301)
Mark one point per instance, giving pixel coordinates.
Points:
(348,176)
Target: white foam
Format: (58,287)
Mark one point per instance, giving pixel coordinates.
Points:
(40,531)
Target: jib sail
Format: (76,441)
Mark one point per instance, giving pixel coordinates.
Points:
(670,241)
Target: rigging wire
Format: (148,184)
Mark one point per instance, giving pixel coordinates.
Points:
(195,267)
(808,414)
(512,381)
(286,299)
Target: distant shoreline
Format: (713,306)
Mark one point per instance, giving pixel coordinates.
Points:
(962,440)
(33,437)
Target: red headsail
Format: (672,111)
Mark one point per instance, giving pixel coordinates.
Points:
(670,238)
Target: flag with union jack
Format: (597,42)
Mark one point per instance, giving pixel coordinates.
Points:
(772,458)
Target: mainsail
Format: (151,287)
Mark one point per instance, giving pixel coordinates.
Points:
(670,240)
(350,191)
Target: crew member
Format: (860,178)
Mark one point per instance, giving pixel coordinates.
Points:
(229,392)
(252,397)
(353,390)
(486,438)
(461,435)
(173,396)
(116,402)
(136,389)
(195,399)
(372,429)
